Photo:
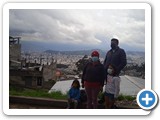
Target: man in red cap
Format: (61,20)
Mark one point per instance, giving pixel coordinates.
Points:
(93,79)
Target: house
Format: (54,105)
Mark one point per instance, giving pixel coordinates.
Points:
(27,74)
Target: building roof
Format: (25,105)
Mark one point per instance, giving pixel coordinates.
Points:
(128,86)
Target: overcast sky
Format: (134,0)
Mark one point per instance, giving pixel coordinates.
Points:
(81,28)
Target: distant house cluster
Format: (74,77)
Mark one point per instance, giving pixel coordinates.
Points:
(28,74)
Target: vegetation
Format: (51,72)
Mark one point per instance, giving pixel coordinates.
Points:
(121,97)
(18,91)
(135,70)
(126,97)
(82,62)
(62,66)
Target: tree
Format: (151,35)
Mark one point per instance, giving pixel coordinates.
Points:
(82,62)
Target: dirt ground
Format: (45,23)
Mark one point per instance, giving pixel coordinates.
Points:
(28,106)
(120,105)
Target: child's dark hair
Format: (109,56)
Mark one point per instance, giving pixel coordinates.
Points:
(77,82)
(114,68)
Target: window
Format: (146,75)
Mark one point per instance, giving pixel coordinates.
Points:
(39,81)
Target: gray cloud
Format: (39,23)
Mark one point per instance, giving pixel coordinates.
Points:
(79,27)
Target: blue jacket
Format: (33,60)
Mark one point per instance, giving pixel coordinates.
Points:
(117,58)
(74,93)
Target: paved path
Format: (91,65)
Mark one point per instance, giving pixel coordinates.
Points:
(131,85)
(128,86)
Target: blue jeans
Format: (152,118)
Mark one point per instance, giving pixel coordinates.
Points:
(111,96)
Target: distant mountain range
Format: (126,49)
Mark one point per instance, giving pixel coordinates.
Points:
(54,49)
(88,52)
(79,52)
(136,53)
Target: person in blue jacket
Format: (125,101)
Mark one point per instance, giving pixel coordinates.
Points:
(115,56)
(74,94)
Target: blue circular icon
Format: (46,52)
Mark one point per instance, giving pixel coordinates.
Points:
(147,99)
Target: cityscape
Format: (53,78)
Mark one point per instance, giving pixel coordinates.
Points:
(50,70)
(63,65)
(69,59)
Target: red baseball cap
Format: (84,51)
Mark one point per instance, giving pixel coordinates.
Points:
(95,53)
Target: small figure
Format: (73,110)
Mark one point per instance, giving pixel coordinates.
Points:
(74,94)
(112,87)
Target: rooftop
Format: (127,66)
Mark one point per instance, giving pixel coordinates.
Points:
(128,86)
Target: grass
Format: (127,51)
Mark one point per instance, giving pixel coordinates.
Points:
(19,91)
(126,97)
(120,97)
(36,93)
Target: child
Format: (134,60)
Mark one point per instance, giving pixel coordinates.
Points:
(112,87)
(74,94)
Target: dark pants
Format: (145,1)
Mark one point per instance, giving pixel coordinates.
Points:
(92,95)
(72,103)
(109,100)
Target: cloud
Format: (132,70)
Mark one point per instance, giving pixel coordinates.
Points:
(79,27)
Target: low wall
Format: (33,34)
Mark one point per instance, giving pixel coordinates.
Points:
(61,104)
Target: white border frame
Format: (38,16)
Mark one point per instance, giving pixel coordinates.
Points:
(8,6)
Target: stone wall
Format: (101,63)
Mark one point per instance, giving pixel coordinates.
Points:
(49,71)
(15,52)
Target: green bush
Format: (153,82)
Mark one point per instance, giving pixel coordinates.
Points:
(126,97)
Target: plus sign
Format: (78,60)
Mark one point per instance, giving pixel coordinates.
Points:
(147,99)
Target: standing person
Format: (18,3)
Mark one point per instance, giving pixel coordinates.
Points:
(74,94)
(112,87)
(93,79)
(115,56)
